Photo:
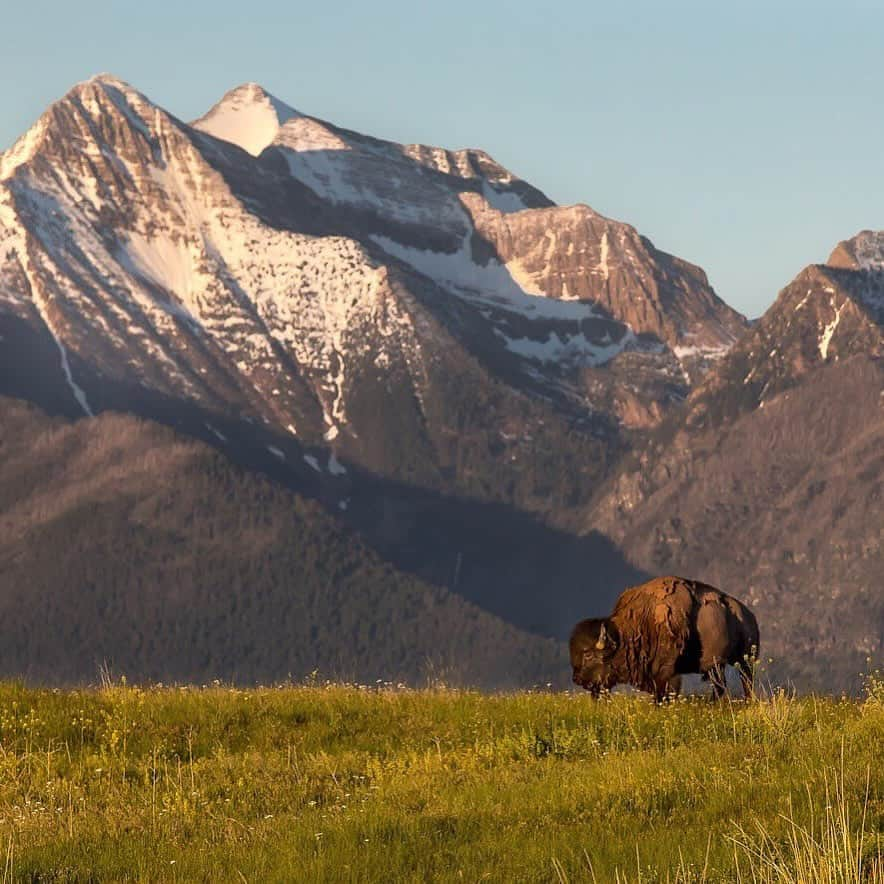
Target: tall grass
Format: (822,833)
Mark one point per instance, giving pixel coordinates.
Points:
(342,783)
(832,848)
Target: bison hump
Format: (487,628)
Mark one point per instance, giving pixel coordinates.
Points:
(666,603)
(655,619)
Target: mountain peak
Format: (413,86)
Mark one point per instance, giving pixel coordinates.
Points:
(247,116)
(251,90)
(83,115)
(865,251)
(106,79)
(27,145)
(107,85)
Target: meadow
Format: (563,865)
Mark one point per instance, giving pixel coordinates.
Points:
(348,783)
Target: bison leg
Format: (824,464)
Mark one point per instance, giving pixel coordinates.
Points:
(718,681)
(747,680)
(666,688)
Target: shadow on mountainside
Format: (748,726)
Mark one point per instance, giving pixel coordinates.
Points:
(128,547)
(505,560)
(30,369)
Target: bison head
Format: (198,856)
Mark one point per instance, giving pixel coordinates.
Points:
(593,644)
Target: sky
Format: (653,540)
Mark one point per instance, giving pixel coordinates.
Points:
(745,137)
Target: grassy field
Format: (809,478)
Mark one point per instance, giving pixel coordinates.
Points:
(342,783)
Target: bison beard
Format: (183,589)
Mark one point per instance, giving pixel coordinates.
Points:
(661,630)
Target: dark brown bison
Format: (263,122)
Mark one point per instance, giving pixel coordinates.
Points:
(661,630)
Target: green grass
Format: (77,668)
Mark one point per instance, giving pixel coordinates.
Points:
(340,783)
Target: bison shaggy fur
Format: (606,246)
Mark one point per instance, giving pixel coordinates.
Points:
(664,629)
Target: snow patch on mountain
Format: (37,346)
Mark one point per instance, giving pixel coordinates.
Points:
(804,300)
(502,286)
(502,201)
(376,177)
(335,467)
(508,288)
(163,261)
(216,433)
(304,134)
(327,176)
(869,249)
(706,352)
(603,257)
(829,330)
(576,349)
(77,391)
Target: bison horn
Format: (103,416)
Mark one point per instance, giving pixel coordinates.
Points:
(603,638)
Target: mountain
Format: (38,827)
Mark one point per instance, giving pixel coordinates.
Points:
(125,545)
(344,293)
(499,412)
(491,239)
(370,325)
(770,482)
(414,337)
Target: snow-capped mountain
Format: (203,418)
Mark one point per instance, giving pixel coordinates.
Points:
(461,219)
(522,402)
(327,297)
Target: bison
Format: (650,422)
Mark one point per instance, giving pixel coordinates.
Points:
(663,629)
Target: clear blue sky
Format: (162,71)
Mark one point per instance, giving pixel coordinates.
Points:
(744,136)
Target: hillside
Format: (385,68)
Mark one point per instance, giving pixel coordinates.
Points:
(126,546)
